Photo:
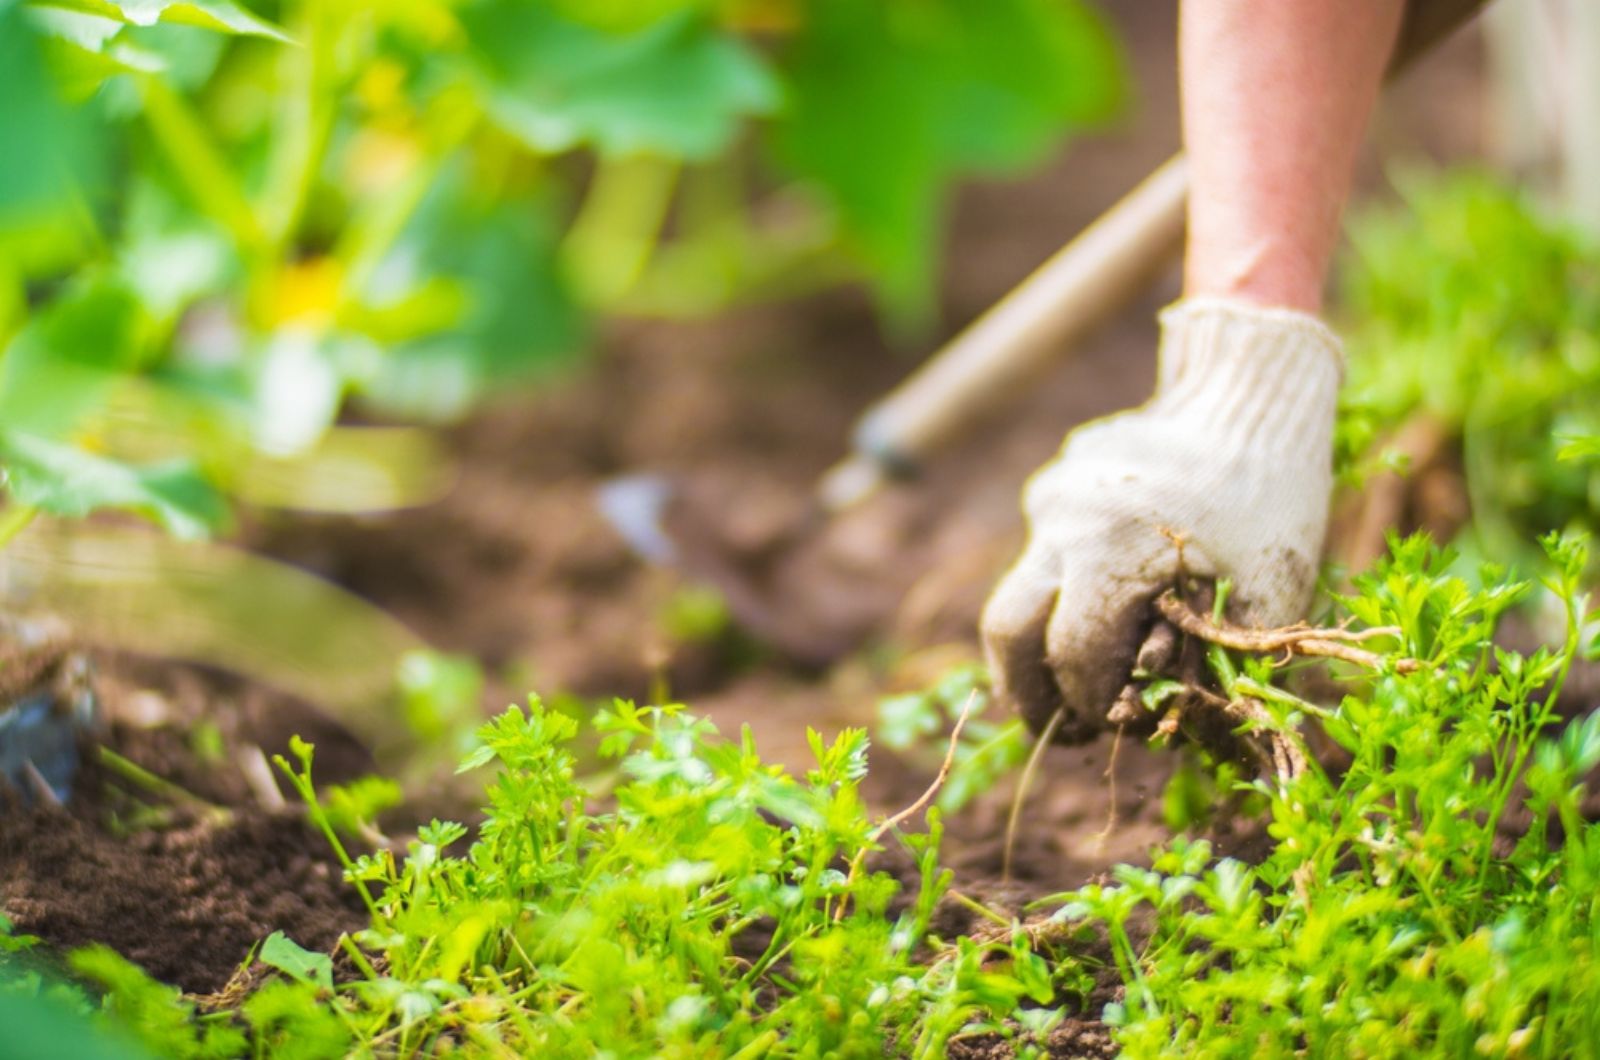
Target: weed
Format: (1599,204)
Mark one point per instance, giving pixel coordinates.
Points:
(987,751)
(1432,891)
(1500,364)
(1430,886)
(717,908)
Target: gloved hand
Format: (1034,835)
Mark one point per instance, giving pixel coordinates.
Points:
(1231,457)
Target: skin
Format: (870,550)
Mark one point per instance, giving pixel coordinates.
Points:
(1276,98)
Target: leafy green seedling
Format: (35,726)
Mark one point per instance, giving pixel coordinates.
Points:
(281,952)
(986,752)
(706,909)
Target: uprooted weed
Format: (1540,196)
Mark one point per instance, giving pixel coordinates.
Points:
(1434,888)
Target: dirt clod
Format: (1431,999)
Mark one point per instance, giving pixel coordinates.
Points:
(185,903)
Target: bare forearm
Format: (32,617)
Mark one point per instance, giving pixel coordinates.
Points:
(1276,98)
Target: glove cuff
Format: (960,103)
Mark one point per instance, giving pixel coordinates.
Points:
(1254,373)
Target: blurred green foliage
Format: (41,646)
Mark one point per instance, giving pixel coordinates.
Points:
(439,698)
(987,749)
(928,93)
(220,223)
(47,1028)
(1471,306)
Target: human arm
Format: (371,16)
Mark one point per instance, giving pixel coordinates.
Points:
(1232,455)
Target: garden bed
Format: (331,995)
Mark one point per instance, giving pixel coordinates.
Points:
(517,568)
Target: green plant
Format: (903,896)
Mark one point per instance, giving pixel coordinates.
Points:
(984,752)
(218,228)
(1476,312)
(440,699)
(43,1018)
(718,908)
(1432,890)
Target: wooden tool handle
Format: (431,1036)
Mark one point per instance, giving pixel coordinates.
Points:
(1084,283)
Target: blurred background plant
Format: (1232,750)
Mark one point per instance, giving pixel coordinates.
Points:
(221,226)
(1474,332)
(986,750)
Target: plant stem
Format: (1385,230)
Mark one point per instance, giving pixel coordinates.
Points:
(979,908)
(349,946)
(616,229)
(306,119)
(1527,736)
(308,793)
(1024,783)
(132,771)
(761,1046)
(199,162)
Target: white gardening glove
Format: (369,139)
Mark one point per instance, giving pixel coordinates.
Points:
(1232,457)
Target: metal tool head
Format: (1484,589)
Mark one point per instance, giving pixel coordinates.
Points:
(44,713)
(636,507)
(671,524)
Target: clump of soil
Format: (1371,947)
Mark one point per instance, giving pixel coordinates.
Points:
(185,903)
(175,889)
(1072,1039)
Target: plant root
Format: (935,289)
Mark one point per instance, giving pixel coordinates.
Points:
(1024,785)
(1206,716)
(1299,639)
(938,781)
(1104,834)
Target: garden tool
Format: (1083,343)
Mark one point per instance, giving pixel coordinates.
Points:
(1087,282)
(46,704)
(993,361)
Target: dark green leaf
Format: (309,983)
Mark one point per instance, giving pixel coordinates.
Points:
(51,154)
(889,103)
(284,954)
(61,367)
(42,1027)
(519,321)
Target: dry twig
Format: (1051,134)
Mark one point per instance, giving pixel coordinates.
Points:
(1101,836)
(922,802)
(938,781)
(258,778)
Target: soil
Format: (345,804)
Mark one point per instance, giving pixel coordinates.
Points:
(518,568)
(186,903)
(1079,1039)
(176,886)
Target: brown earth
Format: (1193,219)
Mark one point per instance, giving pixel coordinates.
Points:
(186,903)
(174,885)
(517,567)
